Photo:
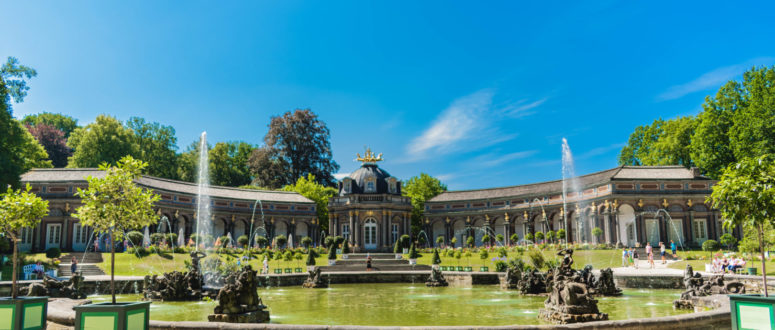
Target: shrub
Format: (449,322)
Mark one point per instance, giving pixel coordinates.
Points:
(135,238)
(243,240)
(310,259)
(537,259)
(502,252)
(710,245)
(53,253)
(550,235)
(539,236)
(338,240)
(405,241)
(306,242)
(179,249)
(396,248)
(470,241)
(501,266)
(728,240)
(413,252)
(514,238)
(298,256)
(172,239)
(450,253)
(261,241)
(561,234)
(279,241)
(346,248)
(329,241)
(224,240)
(440,240)
(5,245)
(436,259)
(483,254)
(485,239)
(458,255)
(156,238)
(529,237)
(518,263)
(332,252)
(153,249)
(453,241)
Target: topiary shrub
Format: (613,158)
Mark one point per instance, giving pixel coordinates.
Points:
(135,238)
(483,254)
(453,241)
(710,245)
(224,240)
(550,235)
(346,248)
(537,259)
(529,237)
(485,239)
(306,241)
(396,247)
(440,240)
(514,238)
(279,241)
(499,238)
(311,258)
(728,240)
(561,234)
(157,238)
(405,241)
(470,241)
(539,236)
(332,252)
(261,241)
(413,254)
(501,266)
(243,240)
(172,239)
(436,259)
(53,253)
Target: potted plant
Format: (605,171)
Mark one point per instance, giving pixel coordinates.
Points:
(19,209)
(745,196)
(111,205)
(436,260)
(298,256)
(413,255)
(483,254)
(485,240)
(405,240)
(453,241)
(332,255)
(468,257)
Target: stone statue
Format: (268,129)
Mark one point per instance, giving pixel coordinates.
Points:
(314,280)
(195,257)
(54,288)
(587,277)
(238,300)
(570,300)
(436,278)
(513,276)
(696,286)
(174,286)
(532,282)
(606,285)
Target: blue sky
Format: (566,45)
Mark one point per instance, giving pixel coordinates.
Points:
(478,94)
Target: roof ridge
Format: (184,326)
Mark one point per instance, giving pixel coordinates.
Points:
(532,184)
(217,186)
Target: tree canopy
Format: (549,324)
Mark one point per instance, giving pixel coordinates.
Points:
(420,189)
(105,140)
(64,123)
(156,145)
(310,188)
(53,141)
(300,141)
(229,163)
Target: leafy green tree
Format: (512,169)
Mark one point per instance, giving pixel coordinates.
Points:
(229,163)
(539,236)
(64,123)
(310,188)
(529,237)
(470,241)
(485,239)
(114,204)
(297,144)
(597,232)
(728,240)
(306,241)
(483,254)
(19,151)
(514,238)
(105,140)
(499,238)
(640,143)
(19,209)
(440,240)
(753,131)
(311,258)
(420,189)
(561,234)
(745,195)
(157,146)
(673,145)
(279,241)
(453,241)
(550,235)
(710,148)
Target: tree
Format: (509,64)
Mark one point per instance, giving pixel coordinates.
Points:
(561,234)
(306,241)
(301,141)
(483,254)
(19,209)
(229,163)
(753,131)
(311,258)
(745,195)
(310,188)
(710,148)
(539,236)
(529,237)
(453,241)
(64,123)
(728,240)
(514,238)
(279,241)
(673,145)
(435,260)
(19,152)
(485,239)
(53,141)
(499,238)
(550,235)
(157,146)
(420,189)
(113,205)
(413,254)
(440,240)
(597,232)
(267,168)
(640,143)
(104,141)
(470,241)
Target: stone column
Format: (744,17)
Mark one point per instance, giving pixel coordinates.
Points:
(352,226)
(385,229)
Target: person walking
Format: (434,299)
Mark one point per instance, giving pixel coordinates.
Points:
(673,249)
(73,266)
(662,252)
(635,257)
(266,265)
(625,257)
(630,254)
(650,255)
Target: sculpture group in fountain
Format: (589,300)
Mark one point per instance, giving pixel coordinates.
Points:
(54,288)
(696,286)
(606,285)
(176,286)
(238,300)
(436,278)
(314,280)
(570,300)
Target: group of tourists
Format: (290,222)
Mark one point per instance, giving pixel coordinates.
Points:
(723,265)
(630,256)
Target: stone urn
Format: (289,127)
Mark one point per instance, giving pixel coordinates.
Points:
(412,262)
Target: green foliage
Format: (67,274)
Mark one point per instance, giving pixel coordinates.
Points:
(728,240)
(514,238)
(436,259)
(499,238)
(53,252)
(420,189)
(453,241)
(311,259)
(297,144)
(332,252)
(104,141)
(397,247)
(156,238)
(458,255)
(450,253)
(550,235)
(483,254)
(536,258)
(440,240)
(224,240)
(413,254)
(329,241)
(243,240)
(320,194)
(561,234)
(710,245)
(346,247)
(405,241)
(597,232)
(485,239)
(135,238)
(288,255)
(261,241)
(306,241)
(501,266)
(279,241)
(229,163)
(539,235)
(64,123)
(470,241)
(155,145)
(502,252)
(529,237)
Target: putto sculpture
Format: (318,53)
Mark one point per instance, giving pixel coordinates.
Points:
(314,280)
(238,300)
(54,288)
(570,300)
(696,286)
(436,278)
(176,286)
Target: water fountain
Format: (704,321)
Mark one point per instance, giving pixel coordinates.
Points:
(146,237)
(570,183)
(203,222)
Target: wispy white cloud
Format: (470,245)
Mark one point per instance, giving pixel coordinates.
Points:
(471,122)
(493,159)
(601,150)
(712,79)
(340,176)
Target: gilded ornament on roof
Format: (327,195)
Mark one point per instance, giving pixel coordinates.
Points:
(368,157)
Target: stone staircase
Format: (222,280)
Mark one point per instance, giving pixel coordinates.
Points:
(356,262)
(86,264)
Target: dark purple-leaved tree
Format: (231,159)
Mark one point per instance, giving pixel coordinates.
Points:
(53,140)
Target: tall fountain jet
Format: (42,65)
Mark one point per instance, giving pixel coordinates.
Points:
(570,183)
(203,223)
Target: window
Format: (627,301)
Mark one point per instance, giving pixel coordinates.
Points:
(26,235)
(700,230)
(370,186)
(347,186)
(346,231)
(394,233)
(630,233)
(393,186)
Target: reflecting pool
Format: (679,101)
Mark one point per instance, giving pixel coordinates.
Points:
(413,305)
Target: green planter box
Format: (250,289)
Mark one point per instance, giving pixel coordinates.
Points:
(752,311)
(459,268)
(28,313)
(278,271)
(121,316)
(469,269)
(297,270)
(443,268)
(751,271)
(484,269)
(288,270)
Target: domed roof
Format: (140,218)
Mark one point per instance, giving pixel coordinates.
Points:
(369,172)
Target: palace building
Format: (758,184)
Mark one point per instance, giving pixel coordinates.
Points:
(631,205)
(233,210)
